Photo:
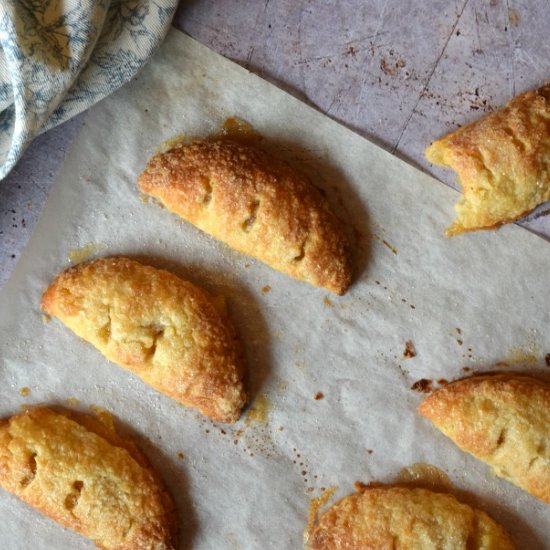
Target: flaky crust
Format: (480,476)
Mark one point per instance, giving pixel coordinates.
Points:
(502,161)
(384,518)
(164,329)
(504,420)
(256,204)
(87,483)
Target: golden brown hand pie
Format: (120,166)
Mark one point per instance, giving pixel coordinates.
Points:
(86,478)
(502,161)
(503,420)
(164,329)
(384,518)
(256,204)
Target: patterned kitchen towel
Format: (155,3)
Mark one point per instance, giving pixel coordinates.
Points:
(59,57)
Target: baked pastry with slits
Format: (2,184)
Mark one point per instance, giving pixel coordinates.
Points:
(502,161)
(383,518)
(504,420)
(87,478)
(167,331)
(256,204)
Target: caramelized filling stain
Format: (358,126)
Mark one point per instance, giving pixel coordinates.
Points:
(233,128)
(425,476)
(424,385)
(315,505)
(238,129)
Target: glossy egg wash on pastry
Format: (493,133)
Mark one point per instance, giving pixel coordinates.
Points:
(256,204)
(83,475)
(502,162)
(383,518)
(503,420)
(167,331)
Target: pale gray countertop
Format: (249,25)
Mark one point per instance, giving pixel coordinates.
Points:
(398,72)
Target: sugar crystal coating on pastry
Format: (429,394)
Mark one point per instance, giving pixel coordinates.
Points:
(384,518)
(87,478)
(166,330)
(504,420)
(502,161)
(256,204)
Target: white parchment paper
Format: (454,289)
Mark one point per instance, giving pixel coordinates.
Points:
(471,301)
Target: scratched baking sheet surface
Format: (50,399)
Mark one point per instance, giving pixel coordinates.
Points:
(330,382)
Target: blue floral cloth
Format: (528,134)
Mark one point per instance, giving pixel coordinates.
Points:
(59,57)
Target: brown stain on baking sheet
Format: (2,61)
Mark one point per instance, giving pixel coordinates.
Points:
(391,67)
(424,385)
(513,17)
(361,486)
(254,439)
(386,244)
(410,350)
(24,391)
(302,465)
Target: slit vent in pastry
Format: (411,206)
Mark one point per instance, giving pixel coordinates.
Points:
(503,420)
(502,162)
(256,204)
(87,478)
(406,518)
(166,330)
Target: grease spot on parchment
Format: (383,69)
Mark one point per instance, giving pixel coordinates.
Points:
(259,411)
(72,401)
(315,506)
(78,255)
